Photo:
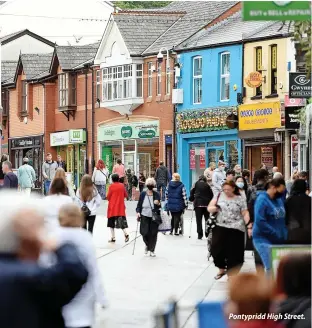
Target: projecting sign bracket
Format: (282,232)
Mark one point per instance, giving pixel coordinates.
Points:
(69,113)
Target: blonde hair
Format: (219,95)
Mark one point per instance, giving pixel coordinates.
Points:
(70,215)
(176,177)
(277,175)
(150,182)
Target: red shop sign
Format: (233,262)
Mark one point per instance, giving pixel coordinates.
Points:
(192,159)
(202,159)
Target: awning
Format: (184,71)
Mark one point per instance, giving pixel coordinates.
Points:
(252,134)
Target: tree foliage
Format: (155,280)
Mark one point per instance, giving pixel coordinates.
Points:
(140,4)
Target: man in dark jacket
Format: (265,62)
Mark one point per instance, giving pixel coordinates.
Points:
(10,179)
(36,293)
(162,177)
(61,163)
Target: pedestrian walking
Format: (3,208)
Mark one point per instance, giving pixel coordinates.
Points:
(176,203)
(142,181)
(119,169)
(246,176)
(218,178)
(60,173)
(148,204)
(100,177)
(129,176)
(26,177)
(162,177)
(39,292)
(58,196)
(4,158)
(269,227)
(228,242)
(304,176)
(290,182)
(116,211)
(201,195)
(89,200)
(230,175)
(242,186)
(80,312)
(238,170)
(298,215)
(208,173)
(60,163)
(48,172)
(10,179)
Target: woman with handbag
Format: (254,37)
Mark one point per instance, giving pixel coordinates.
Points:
(116,211)
(148,212)
(228,242)
(89,200)
(100,177)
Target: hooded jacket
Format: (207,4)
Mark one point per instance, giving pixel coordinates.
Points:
(176,197)
(218,178)
(162,175)
(48,170)
(269,226)
(201,194)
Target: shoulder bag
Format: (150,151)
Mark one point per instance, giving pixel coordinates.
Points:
(85,210)
(156,218)
(212,221)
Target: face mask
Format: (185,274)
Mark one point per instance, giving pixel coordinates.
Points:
(278,194)
(240,185)
(150,187)
(222,168)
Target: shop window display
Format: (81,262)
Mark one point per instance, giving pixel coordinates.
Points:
(197,161)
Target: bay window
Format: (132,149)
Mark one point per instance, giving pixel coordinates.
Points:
(158,79)
(98,85)
(67,87)
(24,96)
(225,77)
(150,79)
(139,80)
(197,80)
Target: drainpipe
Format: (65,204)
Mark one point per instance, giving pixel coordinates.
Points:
(242,90)
(174,130)
(92,121)
(44,127)
(86,116)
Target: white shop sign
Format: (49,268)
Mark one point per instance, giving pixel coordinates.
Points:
(59,138)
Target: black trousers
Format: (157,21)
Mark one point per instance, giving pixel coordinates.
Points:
(90,220)
(175,221)
(201,212)
(227,248)
(149,231)
(141,186)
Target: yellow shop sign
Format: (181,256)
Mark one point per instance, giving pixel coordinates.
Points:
(259,116)
(254,79)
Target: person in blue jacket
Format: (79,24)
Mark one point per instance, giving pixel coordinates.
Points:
(269,226)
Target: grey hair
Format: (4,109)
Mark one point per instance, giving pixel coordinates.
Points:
(11,203)
(277,175)
(8,164)
(150,182)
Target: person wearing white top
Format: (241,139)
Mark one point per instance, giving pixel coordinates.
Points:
(100,177)
(80,312)
(88,200)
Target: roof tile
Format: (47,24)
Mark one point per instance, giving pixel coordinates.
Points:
(8,70)
(35,64)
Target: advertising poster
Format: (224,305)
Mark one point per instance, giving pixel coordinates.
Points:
(267,157)
(192,159)
(202,159)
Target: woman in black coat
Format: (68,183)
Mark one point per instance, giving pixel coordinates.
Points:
(298,214)
(201,195)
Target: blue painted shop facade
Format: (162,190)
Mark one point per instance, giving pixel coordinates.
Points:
(210,78)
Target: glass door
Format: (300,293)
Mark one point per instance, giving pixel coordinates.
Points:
(129,151)
(215,155)
(144,164)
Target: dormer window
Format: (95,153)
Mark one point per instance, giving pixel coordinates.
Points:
(67,90)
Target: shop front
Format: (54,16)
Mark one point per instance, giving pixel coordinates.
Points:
(30,147)
(259,126)
(136,144)
(71,145)
(203,137)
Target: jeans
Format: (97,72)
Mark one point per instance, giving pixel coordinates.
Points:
(161,188)
(263,250)
(47,184)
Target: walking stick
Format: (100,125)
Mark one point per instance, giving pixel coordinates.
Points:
(136,234)
(191,220)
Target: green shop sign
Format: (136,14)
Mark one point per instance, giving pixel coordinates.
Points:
(141,130)
(77,136)
(277,10)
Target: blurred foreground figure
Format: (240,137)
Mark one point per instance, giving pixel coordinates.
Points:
(250,302)
(32,296)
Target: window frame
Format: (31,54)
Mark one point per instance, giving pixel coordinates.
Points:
(168,79)
(63,89)
(225,75)
(72,94)
(199,78)
(139,77)
(98,89)
(259,69)
(5,101)
(149,79)
(158,80)
(273,82)
(24,91)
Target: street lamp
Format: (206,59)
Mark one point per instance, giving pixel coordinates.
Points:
(160,57)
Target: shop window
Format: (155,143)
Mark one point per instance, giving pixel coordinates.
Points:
(98,85)
(67,90)
(5,101)
(225,77)
(158,79)
(274,69)
(259,68)
(150,80)
(197,80)
(197,158)
(139,80)
(24,97)
(168,78)
(232,153)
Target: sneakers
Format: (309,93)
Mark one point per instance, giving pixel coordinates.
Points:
(146,251)
(152,254)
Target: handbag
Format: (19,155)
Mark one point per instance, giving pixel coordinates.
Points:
(212,221)
(85,210)
(166,222)
(156,218)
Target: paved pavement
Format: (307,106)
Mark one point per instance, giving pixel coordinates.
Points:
(137,285)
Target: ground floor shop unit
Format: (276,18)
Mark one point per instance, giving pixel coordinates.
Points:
(197,150)
(71,145)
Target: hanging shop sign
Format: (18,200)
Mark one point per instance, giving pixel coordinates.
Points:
(192,159)
(300,86)
(142,130)
(202,158)
(59,138)
(77,136)
(294,102)
(292,118)
(210,119)
(254,79)
(259,116)
(276,10)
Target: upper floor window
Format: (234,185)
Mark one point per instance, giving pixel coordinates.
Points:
(98,85)
(158,79)
(259,68)
(139,80)
(24,96)
(225,77)
(150,79)
(67,90)
(197,80)
(5,101)
(274,69)
(168,79)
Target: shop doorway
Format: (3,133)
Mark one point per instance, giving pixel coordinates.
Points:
(144,164)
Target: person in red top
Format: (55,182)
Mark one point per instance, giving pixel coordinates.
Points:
(116,211)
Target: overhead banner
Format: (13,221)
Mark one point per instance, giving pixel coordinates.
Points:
(300,86)
(259,116)
(276,10)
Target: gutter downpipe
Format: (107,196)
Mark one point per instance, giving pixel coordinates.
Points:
(242,141)
(44,126)
(92,121)
(86,117)
(174,130)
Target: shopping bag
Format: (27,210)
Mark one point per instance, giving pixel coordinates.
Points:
(166,222)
